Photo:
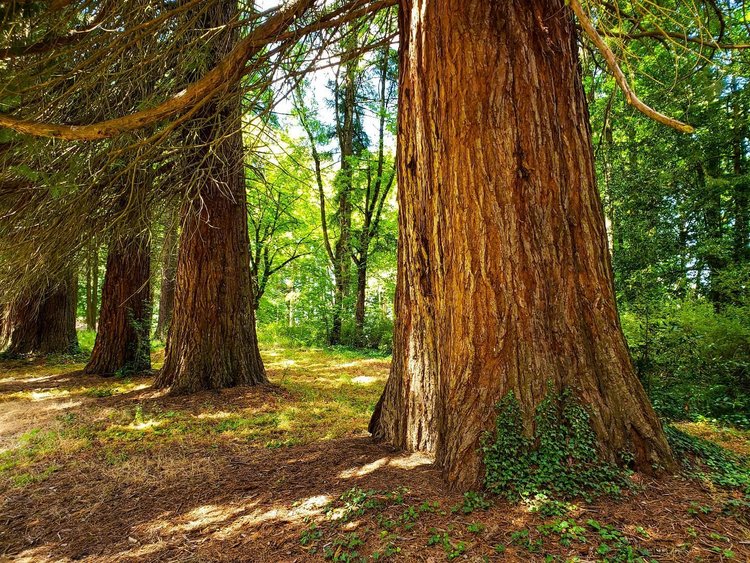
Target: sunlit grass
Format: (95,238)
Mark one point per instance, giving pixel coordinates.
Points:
(322,395)
(733,439)
(319,394)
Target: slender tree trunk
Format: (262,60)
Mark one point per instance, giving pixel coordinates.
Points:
(4,325)
(504,278)
(168,274)
(212,342)
(359,307)
(122,342)
(375,196)
(684,256)
(741,187)
(92,285)
(45,323)
(342,255)
(714,231)
(741,221)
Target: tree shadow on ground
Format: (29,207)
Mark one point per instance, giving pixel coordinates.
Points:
(122,488)
(234,503)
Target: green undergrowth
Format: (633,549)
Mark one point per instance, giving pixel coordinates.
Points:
(710,463)
(560,461)
(364,525)
(36,455)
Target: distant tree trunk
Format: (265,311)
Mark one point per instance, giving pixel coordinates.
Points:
(168,274)
(504,278)
(122,342)
(742,221)
(45,323)
(92,285)
(359,307)
(742,186)
(375,197)
(684,256)
(346,99)
(212,341)
(714,231)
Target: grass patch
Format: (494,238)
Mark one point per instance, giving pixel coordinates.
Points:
(709,462)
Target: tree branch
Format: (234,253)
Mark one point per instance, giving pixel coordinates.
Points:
(622,82)
(223,75)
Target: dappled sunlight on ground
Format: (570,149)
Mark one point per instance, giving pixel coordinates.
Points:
(731,438)
(405,461)
(112,470)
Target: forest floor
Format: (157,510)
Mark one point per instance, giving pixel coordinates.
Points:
(112,470)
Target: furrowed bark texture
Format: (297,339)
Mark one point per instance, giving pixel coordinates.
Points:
(45,323)
(505,282)
(122,340)
(212,342)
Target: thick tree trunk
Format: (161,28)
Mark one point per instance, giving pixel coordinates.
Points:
(168,274)
(122,342)
(45,323)
(505,281)
(212,342)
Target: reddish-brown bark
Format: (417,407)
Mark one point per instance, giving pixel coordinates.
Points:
(505,282)
(122,341)
(44,322)
(212,341)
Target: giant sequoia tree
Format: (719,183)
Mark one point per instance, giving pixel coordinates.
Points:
(504,279)
(44,321)
(122,340)
(212,341)
(504,276)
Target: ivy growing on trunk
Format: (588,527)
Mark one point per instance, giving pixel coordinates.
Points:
(560,458)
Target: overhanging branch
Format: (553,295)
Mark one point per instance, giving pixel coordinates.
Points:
(226,73)
(622,82)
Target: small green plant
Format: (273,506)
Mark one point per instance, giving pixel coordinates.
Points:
(707,461)
(723,552)
(737,507)
(357,501)
(343,549)
(409,516)
(428,506)
(389,550)
(385,522)
(475,527)
(561,459)
(472,501)
(569,531)
(696,509)
(310,535)
(452,550)
(615,547)
(522,538)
